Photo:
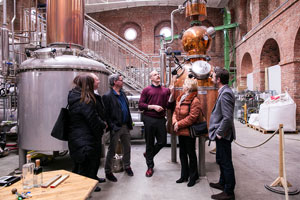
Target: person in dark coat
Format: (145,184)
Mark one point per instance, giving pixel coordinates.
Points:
(101,112)
(119,122)
(187,112)
(85,127)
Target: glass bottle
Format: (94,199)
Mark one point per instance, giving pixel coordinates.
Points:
(38,175)
(27,173)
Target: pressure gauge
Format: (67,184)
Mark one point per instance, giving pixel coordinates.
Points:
(200,69)
(205,37)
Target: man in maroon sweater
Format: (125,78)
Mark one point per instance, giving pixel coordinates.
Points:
(154,101)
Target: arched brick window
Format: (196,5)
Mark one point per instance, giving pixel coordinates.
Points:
(134,33)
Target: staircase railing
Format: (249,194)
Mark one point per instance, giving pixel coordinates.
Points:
(119,55)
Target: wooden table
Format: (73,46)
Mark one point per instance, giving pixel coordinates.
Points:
(75,187)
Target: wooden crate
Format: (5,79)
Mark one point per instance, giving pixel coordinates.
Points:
(264,131)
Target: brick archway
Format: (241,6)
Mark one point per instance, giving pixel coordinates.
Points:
(243,18)
(263,10)
(269,56)
(246,68)
(297,47)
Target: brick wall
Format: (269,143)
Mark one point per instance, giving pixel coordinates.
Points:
(276,40)
(151,19)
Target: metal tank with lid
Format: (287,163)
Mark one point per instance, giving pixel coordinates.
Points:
(45,79)
(44,82)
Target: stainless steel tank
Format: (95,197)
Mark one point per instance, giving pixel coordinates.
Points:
(43,84)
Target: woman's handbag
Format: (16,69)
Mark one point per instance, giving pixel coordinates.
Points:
(196,130)
(60,129)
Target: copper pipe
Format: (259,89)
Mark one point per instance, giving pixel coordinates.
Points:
(65,20)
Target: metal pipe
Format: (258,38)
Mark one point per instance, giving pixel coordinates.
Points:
(227,19)
(179,9)
(4,13)
(4,40)
(13,38)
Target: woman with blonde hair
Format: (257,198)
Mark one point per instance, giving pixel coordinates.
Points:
(187,112)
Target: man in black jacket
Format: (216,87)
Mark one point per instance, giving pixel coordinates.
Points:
(119,123)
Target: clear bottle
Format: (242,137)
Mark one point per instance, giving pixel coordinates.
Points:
(27,173)
(38,175)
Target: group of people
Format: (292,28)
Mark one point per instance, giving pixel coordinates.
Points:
(91,115)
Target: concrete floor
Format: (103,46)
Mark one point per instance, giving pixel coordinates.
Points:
(253,169)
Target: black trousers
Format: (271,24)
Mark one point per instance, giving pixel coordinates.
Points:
(224,160)
(89,166)
(154,129)
(188,157)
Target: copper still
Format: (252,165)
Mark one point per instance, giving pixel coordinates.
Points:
(196,41)
(196,10)
(65,19)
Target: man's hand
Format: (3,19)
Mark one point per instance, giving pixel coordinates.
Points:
(175,127)
(172,89)
(219,137)
(157,108)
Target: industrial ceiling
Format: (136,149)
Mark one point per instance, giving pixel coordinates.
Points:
(92,6)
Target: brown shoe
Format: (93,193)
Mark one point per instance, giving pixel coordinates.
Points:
(216,186)
(223,196)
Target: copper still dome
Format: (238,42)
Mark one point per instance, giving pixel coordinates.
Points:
(196,40)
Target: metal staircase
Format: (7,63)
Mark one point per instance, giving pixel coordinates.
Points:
(117,55)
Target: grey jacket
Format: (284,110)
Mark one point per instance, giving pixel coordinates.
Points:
(221,118)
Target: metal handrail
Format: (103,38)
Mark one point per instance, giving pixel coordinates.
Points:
(119,56)
(138,51)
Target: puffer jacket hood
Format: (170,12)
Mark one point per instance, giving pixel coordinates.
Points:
(74,95)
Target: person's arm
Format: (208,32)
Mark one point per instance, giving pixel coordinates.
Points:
(171,98)
(108,110)
(193,115)
(93,119)
(143,103)
(227,108)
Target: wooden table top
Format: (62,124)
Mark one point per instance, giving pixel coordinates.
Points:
(75,187)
